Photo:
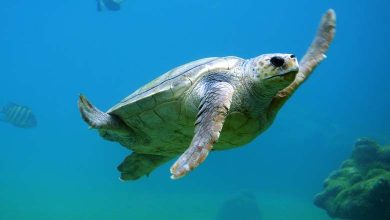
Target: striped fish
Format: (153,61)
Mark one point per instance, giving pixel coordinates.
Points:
(20,116)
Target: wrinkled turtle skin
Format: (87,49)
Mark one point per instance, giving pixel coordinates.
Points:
(214,103)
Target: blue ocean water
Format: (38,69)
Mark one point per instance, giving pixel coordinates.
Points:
(52,51)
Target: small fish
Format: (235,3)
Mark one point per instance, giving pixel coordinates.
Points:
(99,5)
(20,116)
(112,5)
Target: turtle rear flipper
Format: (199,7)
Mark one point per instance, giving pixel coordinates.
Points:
(138,165)
(98,119)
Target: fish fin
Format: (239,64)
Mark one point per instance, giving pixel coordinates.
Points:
(99,5)
(11,105)
(8,106)
(112,6)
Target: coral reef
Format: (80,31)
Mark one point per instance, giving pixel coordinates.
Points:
(360,189)
(241,207)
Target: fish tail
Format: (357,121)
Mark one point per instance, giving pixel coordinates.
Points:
(6,108)
(2,115)
(3,112)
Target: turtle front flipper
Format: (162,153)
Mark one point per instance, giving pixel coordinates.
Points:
(98,119)
(138,165)
(313,57)
(213,109)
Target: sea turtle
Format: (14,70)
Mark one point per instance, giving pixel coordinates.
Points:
(214,103)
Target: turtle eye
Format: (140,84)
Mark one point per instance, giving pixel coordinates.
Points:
(277,61)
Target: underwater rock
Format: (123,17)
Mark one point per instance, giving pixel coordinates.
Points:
(241,207)
(360,189)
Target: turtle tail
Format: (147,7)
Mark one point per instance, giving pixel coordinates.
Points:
(96,118)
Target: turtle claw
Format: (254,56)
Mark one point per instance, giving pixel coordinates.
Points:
(189,161)
(178,171)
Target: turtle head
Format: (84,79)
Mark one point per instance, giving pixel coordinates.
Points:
(275,70)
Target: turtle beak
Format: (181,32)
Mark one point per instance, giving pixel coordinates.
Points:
(288,74)
(284,66)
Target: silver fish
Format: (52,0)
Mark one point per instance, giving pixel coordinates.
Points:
(18,115)
(111,5)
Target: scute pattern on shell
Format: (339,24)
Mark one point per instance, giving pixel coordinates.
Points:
(168,87)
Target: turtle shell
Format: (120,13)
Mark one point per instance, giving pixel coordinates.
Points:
(170,86)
